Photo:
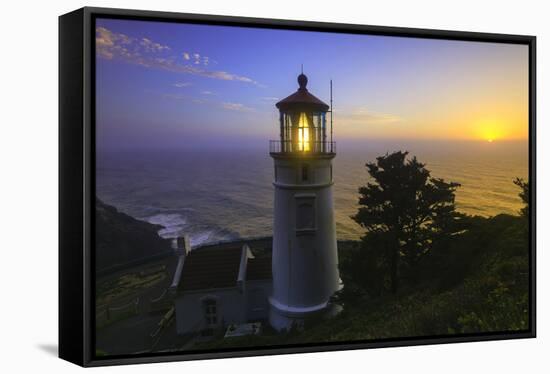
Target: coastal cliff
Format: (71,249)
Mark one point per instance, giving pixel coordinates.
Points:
(121,240)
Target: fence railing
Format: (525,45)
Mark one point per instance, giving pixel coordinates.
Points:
(106,314)
(289,146)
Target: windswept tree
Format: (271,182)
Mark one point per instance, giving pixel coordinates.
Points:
(405,211)
(524,195)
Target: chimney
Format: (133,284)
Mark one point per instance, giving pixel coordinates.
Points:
(246,253)
(182,245)
(182,250)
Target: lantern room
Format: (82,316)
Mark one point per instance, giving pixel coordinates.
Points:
(303,123)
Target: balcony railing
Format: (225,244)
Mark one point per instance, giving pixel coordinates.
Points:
(289,146)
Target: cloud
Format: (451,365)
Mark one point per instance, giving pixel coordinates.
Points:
(150,54)
(181,84)
(207,93)
(237,107)
(174,96)
(367,116)
(150,46)
(197,58)
(269,98)
(187,98)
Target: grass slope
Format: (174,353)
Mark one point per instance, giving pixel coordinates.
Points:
(478,284)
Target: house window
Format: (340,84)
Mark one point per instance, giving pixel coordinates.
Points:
(305,173)
(210,312)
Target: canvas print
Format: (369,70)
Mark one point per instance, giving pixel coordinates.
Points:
(261,187)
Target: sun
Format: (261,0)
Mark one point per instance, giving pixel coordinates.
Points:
(490,133)
(489,130)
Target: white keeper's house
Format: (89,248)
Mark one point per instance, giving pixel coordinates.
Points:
(216,287)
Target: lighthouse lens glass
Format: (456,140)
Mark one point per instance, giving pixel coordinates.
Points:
(303,133)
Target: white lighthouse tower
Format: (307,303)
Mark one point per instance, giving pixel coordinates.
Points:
(305,258)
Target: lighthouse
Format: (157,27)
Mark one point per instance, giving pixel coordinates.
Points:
(305,258)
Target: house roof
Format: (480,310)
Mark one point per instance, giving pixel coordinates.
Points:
(259,268)
(210,268)
(219,268)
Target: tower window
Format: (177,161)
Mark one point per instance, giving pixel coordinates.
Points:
(305,172)
(305,213)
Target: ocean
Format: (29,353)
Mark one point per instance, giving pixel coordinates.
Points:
(217,195)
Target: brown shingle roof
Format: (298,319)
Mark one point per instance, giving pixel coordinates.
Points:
(210,268)
(258,268)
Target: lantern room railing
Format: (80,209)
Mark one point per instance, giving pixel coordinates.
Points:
(289,146)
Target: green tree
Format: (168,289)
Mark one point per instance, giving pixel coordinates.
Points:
(524,195)
(406,211)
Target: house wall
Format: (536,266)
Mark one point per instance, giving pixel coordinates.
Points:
(231,305)
(257,294)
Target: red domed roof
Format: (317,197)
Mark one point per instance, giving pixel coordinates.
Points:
(302,99)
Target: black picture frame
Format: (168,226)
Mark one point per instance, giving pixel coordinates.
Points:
(77,181)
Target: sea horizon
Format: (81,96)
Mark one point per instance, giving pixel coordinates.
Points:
(217,194)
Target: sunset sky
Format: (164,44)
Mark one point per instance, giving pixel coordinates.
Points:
(172,85)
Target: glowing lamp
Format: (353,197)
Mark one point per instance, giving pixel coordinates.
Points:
(303,122)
